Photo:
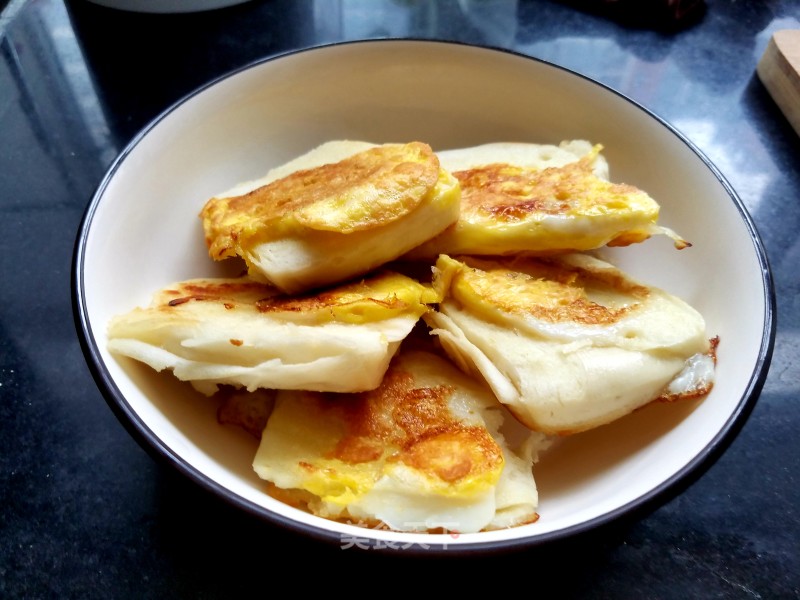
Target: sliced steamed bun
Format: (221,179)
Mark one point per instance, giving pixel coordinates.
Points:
(541,199)
(245,334)
(569,343)
(422,452)
(338,212)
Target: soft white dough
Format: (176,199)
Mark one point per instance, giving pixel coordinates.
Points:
(536,156)
(330,357)
(564,377)
(294,264)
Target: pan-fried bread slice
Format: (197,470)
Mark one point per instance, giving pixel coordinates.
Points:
(244,333)
(541,199)
(569,343)
(422,452)
(332,215)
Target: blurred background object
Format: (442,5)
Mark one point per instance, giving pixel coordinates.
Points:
(651,14)
(779,71)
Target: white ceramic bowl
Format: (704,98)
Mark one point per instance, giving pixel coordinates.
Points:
(141,231)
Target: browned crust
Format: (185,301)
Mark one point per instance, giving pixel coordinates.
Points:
(380,185)
(512,193)
(403,422)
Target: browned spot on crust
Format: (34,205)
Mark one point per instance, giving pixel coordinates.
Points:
(325,299)
(402,422)
(549,290)
(185,299)
(581,310)
(227,293)
(454,453)
(226,289)
(379,295)
(512,193)
(365,190)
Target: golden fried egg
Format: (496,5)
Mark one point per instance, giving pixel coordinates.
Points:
(552,201)
(422,452)
(571,342)
(246,334)
(330,220)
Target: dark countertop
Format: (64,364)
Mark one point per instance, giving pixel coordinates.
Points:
(87,513)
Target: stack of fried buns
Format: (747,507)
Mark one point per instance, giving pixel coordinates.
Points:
(412,328)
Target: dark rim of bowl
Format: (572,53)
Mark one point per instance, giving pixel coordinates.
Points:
(645,503)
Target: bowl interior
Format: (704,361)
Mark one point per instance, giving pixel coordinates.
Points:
(142,232)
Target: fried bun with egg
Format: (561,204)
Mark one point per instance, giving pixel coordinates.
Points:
(338,212)
(247,334)
(431,449)
(569,343)
(541,199)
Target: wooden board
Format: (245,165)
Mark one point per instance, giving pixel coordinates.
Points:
(779,70)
